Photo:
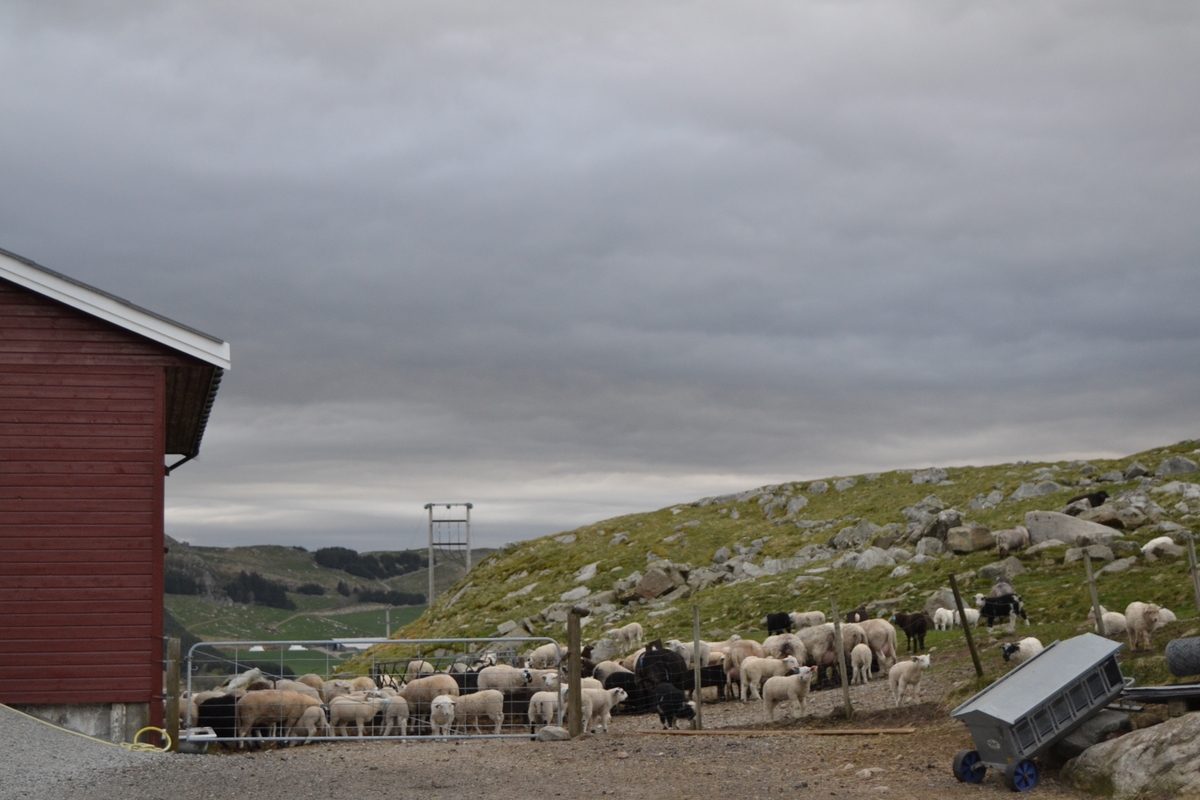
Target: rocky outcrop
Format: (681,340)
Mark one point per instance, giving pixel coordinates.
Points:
(1027,491)
(1009,568)
(931,475)
(1160,761)
(1175,465)
(848,538)
(969,539)
(1046,525)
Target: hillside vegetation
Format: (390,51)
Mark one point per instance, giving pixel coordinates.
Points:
(779,539)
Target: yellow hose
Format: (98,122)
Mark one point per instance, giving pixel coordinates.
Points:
(141,747)
(134,747)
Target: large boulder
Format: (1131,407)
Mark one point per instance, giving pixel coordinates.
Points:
(860,534)
(1134,470)
(874,557)
(1159,761)
(1046,525)
(931,475)
(943,598)
(1028,490)
(1100,727)
(940,525)
(1098,552)
(654,583)
(921,514)
(929,546)
(1176,465)
(1009,568)
(969,539)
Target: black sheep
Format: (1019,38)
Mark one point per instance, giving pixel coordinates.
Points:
(779,622)
(915,627)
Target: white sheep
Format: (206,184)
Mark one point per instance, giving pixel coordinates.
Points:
(1160,546)
(311,723)
(860,660)
(791,691)
(1140,620)
(1020,652)
(551,679)
(273,707)
(1112,623)
(738,652)
(603,701)
(362,684)
(943,619)
(417,668)
(334,688)
(685,649)
(785,644)
(543,707)
(358,708)
(441,715)
(807,619)
(244,679)
(629,635)
(503,677)
(471,708)
(606,668)
(630,661)
(1165,617)
(754,671)
(546,656)
(395,715)
(881,636)
(905,678)
(972,617)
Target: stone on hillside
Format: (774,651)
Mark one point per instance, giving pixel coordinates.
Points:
(874,557)
(578,593)
(1159,761)
(808,579)
(1101,515)
(1098,552)
(969,539)
(1112,476)
(1131,518)
(899,554)
(846,560)
(506,627)
(1088,469)
(604,598)
(860,534)
(1044,525)
(982,502)
(1175,465)
(943,598)
(654,583)
(552,733)
(700,579)
(796,504)
(566,538)
(901,571)
(722,555)
(931,475)
(1134,470)
(605,649)
(921,558)
(1094,731)
(888,535)
(556,612)
(1008,569)
(818,487)
(1028,490)
(586,573)
(1161,549)
(524,590)
(628,582)
(734,514)
(940,525)
(815,552)
(930,546)
(1049,544)
(1120,565)
(620,538)
(844,484)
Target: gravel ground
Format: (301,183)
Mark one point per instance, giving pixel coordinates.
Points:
(624,762)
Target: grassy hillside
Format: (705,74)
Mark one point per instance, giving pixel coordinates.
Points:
(690,533)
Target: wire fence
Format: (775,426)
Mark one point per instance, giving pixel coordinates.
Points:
(304,690)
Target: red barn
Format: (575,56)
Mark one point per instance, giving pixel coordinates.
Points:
(95,393)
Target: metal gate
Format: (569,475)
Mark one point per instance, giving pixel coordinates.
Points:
(214,714)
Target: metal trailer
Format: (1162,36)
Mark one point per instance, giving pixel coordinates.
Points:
(1023,714)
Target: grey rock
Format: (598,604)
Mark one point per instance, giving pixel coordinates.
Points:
(969,539)
(604,598)
(1008,569)
(553,733)
(818,487)
(1159,761)
(722,555)
(1029,490)
(1098,552)
(930,546)
(1092,732)
(1120,565)
(586,573)
(921,558)
(628,582)
(734,514)
(808,579)
(1112,476)
(796,504)
(844,484)
(1134,470)
(1088,469)
(940,525)
(1175,465)
(874,557)
(1044,525)
(888,535)
(506,627)
(901,571)
(556,613)
(899,554)
(942,598)
(860,534)
(931,475)
(1049,544)
(566,538)
(815,552)
(620,538)
(1168,527)
(845,561)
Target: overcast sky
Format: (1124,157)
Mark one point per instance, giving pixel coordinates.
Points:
(571,260)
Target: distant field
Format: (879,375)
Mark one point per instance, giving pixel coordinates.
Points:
(237,622)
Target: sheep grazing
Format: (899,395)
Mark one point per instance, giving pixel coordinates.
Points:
(629,635)
(359,709)
(943,619)
(881,636)
(1011,540)
(790,691)
(603,702)
(1006,606)
(441,715)
(738,652)
(672,705)
(1113,623)
(905,678)
(503,677)
(312,722)
(860,661)
(784,644)
(915,626)
(395,715)
(1020,652)
(271,707)
(1159,547)
(546,656)
(807,619)
(778,622)
(487,704)
(1140,621)
(972,617)
(756,670)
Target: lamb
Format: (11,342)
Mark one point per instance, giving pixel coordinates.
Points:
(790,691)
(905,678)
(605,668)
(362,684)
(313,680)
(972,617)
(503,676)
(1161,546)
(312,722)
(421,693)
(272,707)
(546,656)
(543,707)
(1020,652)
(603,701)
(1011,540)
(630,635)
(1005,606)
(417,668)
(860,660)
(441,715)
(395,715)
(334,688)
(783,645)
(1165,617)
(630,661)
(881,636)
(943,619)
(685,649)
(738,652)
(807,619)
(471,708)
(857,615)
(1140,621)
(756,670)
(357,708)
(551,679)
(1112,623)
(297,686)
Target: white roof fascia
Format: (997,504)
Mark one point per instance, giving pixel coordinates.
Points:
(113,309)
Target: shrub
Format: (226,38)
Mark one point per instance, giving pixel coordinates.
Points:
(343,589)
(176,582)
(312,589)
(392,598)
(254,588)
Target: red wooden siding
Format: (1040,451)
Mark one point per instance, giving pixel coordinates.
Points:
(82,435)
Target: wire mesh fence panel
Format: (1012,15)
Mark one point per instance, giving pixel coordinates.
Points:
(292,692)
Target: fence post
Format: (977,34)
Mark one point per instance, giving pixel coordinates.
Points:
(966,626)
(697,693)
(1091,579)
(574,678)
(173,692)
(1191,548)
(840,644)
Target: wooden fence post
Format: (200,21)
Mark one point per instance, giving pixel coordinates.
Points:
(697,693)
(1191,548)
(840,644)
(1091,580)
(966,626)
(574,677)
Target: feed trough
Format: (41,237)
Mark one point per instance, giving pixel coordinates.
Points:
(1021,715)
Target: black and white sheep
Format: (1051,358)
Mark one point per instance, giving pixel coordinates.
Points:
(1020,652)
(672,705)
(1006,607)
(778,622)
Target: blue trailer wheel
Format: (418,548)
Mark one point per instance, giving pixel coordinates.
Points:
(967,767)
(1021,776)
